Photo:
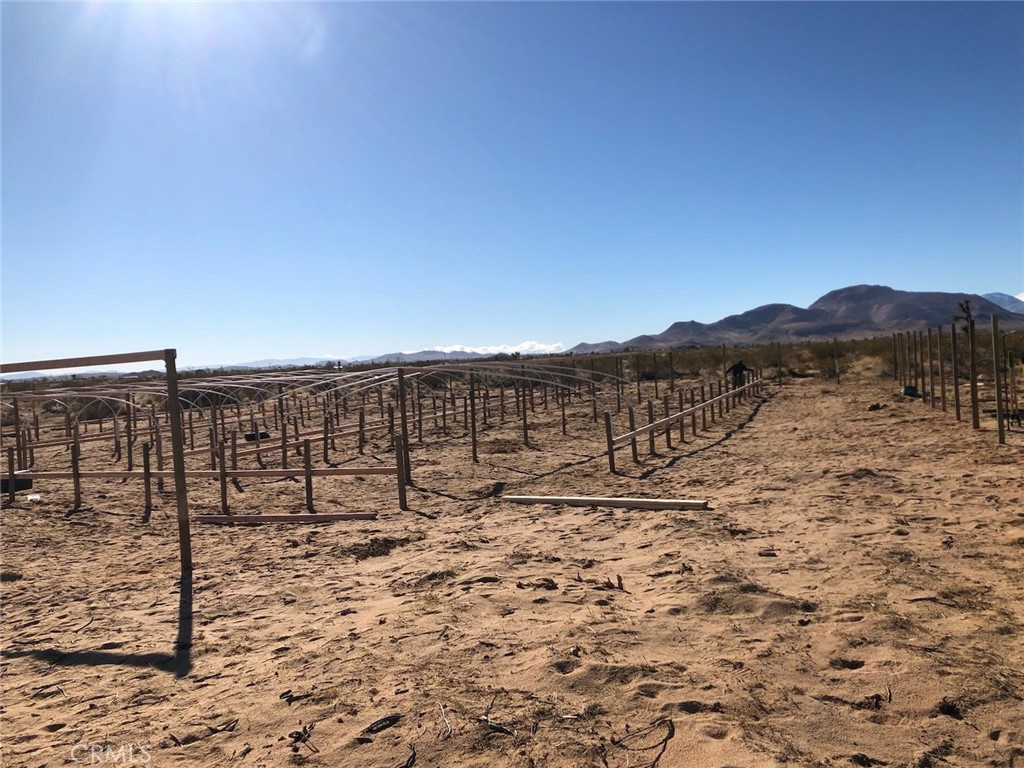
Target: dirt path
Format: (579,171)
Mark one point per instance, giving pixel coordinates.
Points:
(855,596)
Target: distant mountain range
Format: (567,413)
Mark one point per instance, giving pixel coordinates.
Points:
(1006,301)
(859,311)
(394,357)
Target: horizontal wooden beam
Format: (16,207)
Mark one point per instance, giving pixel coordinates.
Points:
(270,444)
(212,474)
(599,501)
(328,517)
(81,362)
(628,436)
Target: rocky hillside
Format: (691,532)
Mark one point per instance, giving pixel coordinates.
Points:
(856,312)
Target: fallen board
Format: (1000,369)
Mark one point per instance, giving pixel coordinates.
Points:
(598,501)
(303,518)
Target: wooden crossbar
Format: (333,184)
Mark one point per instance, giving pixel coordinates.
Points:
(212,473)
(313,437)
(629,436)
(78,362)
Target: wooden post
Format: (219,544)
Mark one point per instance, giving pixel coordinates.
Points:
(362,431)
(328,435)
(561,402)
(178,455)
(391,425)
(147,480)
(971,340)
(682,419)
(909,359)
(213,445)
(214,436)
(419,414)
(651,449)
(618,384)
(501,403)
(472,416)
(668,427)
(117,436)
(75,476)
(703,410)
(159,445)
(223,477)
(942,366)
(18,437)
(904,359)
(223,423)
(10,474)
(128,433)
(284,444)
(636,364)
(610,441)
(693,412)
(931,370)
(298,433)
(307,466)
(956,369)
(997,365)
(234,450)
(526,428)
(403,417)
(632,441)
(1014,400)
(400,472)
(914,365)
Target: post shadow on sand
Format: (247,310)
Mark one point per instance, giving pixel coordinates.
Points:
(179,663)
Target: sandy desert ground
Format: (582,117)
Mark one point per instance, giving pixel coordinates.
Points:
(854,596)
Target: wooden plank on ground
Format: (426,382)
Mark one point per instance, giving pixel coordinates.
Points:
(327,517)
(599,501)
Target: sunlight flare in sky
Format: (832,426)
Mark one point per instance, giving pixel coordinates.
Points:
(250,180)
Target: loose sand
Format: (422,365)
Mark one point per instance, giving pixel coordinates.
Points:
(854,596)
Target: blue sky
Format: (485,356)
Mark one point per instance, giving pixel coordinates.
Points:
(258,180)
